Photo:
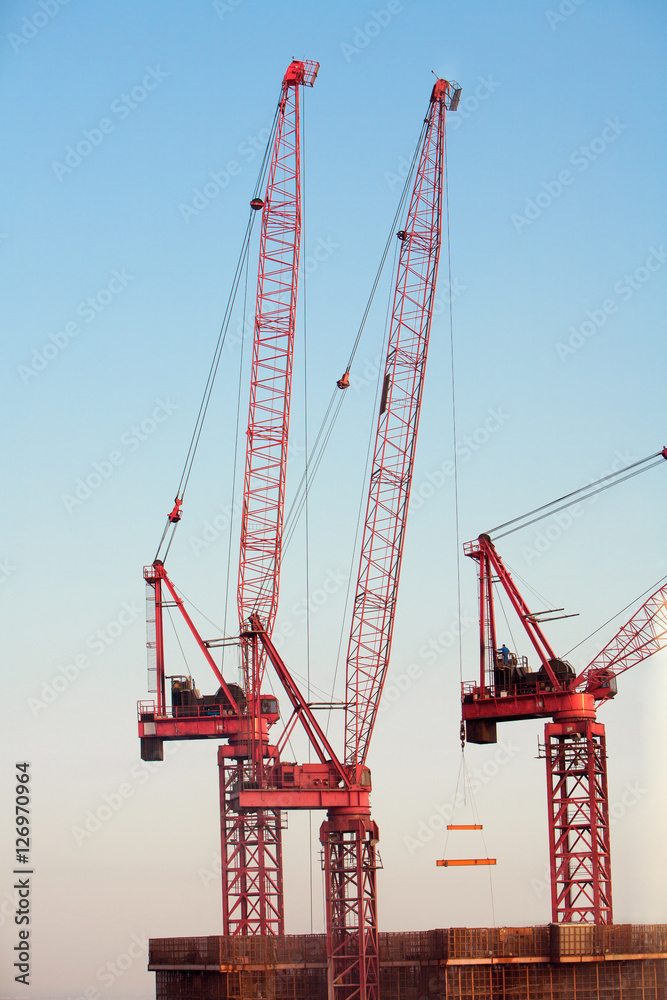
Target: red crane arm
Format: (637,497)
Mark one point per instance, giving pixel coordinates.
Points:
(491,567)
(643,635)
(271,376)
(386,512)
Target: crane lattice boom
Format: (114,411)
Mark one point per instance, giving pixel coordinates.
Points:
(391,474)
(643,635)
(271,377)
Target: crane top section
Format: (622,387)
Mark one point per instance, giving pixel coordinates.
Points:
(301,73)
(447,93)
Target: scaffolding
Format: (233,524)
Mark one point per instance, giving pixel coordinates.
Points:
(554,962)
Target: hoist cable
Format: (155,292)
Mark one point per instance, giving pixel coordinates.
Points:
(568,496)
(336,401)
(306,489)
(235,460)
(649,590)
(392,233)
(185,659)
(361,508)
(453,369)
(468,794)
(324,432)
(208,388)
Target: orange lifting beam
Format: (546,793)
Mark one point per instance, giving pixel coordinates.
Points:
(465,826)
(467,861)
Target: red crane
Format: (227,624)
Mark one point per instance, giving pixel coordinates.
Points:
(349,836)
(251,842)
(256,782)
(574,744)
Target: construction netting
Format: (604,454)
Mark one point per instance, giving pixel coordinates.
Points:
(556,962)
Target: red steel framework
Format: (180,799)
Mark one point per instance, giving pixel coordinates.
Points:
(574,746)
(271,376)
(256,784)
(349,838)
(251,843)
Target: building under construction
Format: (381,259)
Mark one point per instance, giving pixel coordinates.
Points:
(555,962)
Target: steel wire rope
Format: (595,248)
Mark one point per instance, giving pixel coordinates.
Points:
(486,850)
(453,379)
(185,659)
(549,605)
(463,766)
(568,496)
(208,388)
(306,487)
(192,604)
(360,512)
(468,794)
(509,627)
(328,423)
(236,449)
(387,330)
(232,640)
(315,458)
(649,590)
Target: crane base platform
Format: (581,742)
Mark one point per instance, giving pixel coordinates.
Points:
(457,963)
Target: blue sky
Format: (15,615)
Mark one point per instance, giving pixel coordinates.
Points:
(115,274)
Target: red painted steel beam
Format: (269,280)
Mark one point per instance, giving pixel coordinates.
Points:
(271,374)
(484,551)
(349,837)
(316,735)
(158,571)
(541,705)
(393,456)
(642,636)
(578,802)
(356,799)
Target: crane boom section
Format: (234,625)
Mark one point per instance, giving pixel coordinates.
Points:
(271,376)
(391,473)
(643,635)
